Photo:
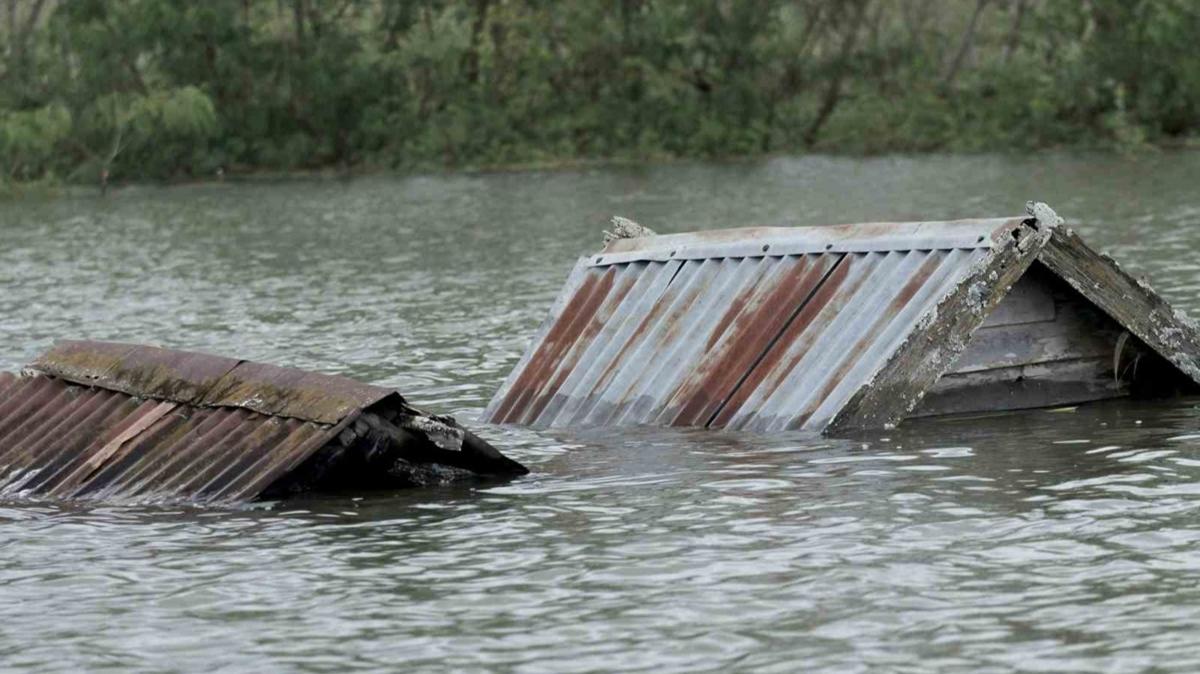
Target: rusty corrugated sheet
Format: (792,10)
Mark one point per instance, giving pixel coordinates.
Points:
(63,440)
(764,329)
(836,344)
(104,420)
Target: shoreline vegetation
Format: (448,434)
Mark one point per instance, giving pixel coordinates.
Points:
(53,187)
(131,91)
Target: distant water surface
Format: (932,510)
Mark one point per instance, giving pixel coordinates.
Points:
(1064,541)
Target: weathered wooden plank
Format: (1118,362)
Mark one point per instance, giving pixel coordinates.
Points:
(1129,301)
(933,347)
(1029,343)
(1052,384)
(1028,302)
(1077,328)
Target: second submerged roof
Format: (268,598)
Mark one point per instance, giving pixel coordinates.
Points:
(769,329)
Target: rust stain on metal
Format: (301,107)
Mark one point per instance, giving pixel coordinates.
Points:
(850,357)
(650,319)
(82,362)
(737,304)
(561,337)
(744,334)
(627,397)
(567,361)
(771,370)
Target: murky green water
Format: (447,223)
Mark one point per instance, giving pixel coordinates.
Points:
(1066,541)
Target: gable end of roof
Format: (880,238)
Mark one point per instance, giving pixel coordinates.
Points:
(1127,300)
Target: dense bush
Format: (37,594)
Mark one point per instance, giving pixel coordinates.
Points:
(168,88)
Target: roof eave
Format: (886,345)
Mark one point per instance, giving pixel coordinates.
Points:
(857,238)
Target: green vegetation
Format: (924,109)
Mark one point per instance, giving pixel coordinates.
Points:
(161,89)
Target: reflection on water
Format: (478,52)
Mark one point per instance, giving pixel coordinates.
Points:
(1050,540)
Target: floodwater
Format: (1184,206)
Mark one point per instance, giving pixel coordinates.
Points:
(1060,541)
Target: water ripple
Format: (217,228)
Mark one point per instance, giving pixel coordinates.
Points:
(1037,541)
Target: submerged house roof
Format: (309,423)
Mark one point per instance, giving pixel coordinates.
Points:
(851,326)
(106,420)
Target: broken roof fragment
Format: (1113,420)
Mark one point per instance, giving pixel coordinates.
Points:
(103,420)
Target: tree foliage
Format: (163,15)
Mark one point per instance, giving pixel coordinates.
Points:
(168,88)
(29,140)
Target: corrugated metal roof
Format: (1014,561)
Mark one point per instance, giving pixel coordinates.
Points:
(762,329)
(62,440)
(106,420)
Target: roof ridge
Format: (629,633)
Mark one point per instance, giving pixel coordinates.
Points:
(202,379)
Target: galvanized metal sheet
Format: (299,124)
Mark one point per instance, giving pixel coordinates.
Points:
(599,294)
(755,316)
(859,238)
(716,329)
(68,441)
